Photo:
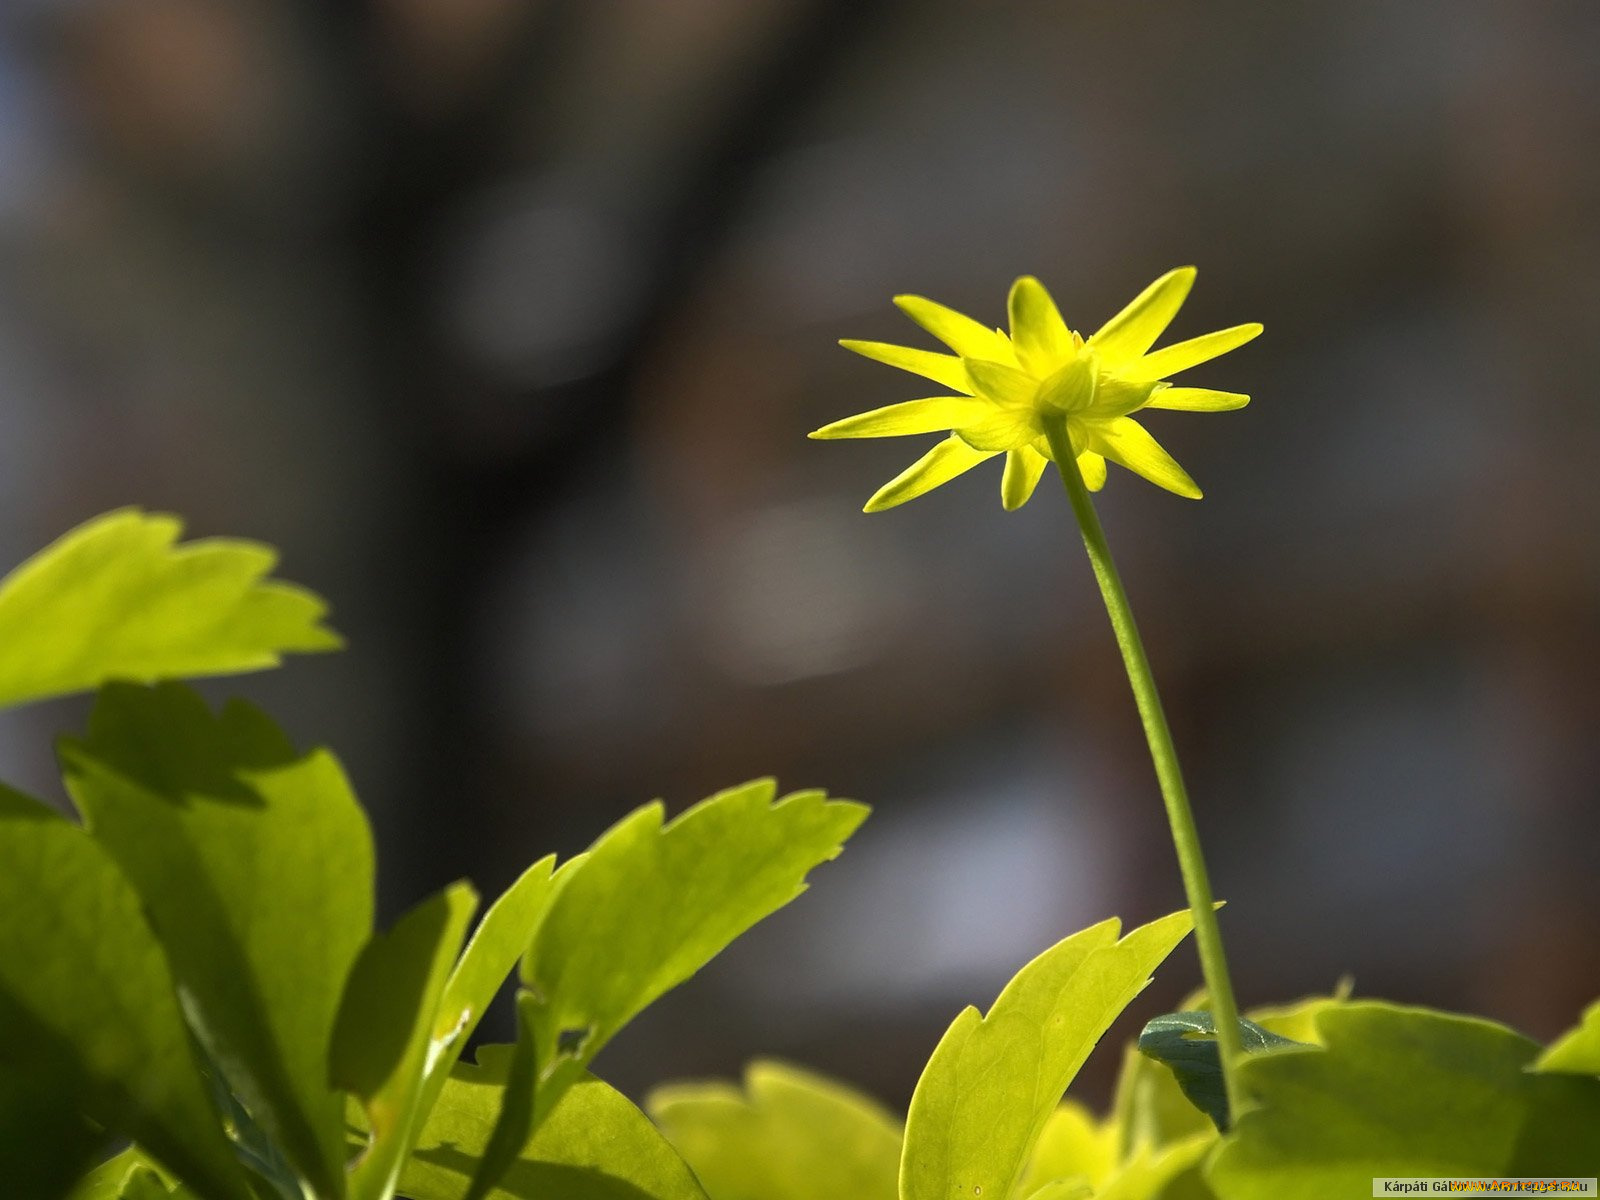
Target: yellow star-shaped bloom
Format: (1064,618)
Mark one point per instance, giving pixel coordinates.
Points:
(1009,386)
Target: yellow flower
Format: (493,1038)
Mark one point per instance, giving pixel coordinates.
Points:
(1010,386)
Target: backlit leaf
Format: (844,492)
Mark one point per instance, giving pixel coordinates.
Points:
(650,904)
(385,1032)
(995,1080)
(1072,1145)
(117,599)
(518,1107)
(496,945)
(595,1145)
(1576,1052)
(786,1135)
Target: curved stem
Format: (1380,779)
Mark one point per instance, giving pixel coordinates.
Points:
(1185,837)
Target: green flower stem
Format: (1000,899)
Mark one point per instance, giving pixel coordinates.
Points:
(1185,837)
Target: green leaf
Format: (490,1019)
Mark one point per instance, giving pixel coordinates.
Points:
(1150,1110)
(1078,1155)
(498,942)
(1186,1044)
(127,1176)
(45,1143)
(116,599)
(1151,1173)
(1403,1091)
(1061,1189)
(788,1135)
(254,864)
(994,1080)
(518,1107)
(595,1145)
(1072,1145)
(1576,1052)
(384,1035)
(650,904)
(85,992)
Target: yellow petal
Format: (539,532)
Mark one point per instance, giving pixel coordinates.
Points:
(1124,441)
(1093,469)
(1041,337)
(1196,399)
(933,415)
(1003,429)
(940,465)
(1135,329)
(1002,384)
(941,368)
(1023,468)
(968,338)
(1180,356)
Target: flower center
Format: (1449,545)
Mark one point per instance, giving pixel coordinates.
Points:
(1071,389)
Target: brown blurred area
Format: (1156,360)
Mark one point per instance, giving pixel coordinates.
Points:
(506,322)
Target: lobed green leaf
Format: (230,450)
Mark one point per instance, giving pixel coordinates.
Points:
(787,1135)
(255,866)
(116,598)
(1403,1091)
(650,904)
(994,1081)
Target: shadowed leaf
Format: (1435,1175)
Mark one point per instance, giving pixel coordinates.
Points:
(254,863)
(86,996)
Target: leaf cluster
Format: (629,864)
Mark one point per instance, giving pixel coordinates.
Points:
(195,1004)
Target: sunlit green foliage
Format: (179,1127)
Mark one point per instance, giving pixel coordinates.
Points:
(1576,1052)
(1404,1091)
(254,863)
(787,1135)
(595,1145)
(994,1079)
(193,968)
(117,599)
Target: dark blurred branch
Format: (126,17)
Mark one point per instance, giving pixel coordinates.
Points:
(458,514)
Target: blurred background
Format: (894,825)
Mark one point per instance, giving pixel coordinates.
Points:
(506,322)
